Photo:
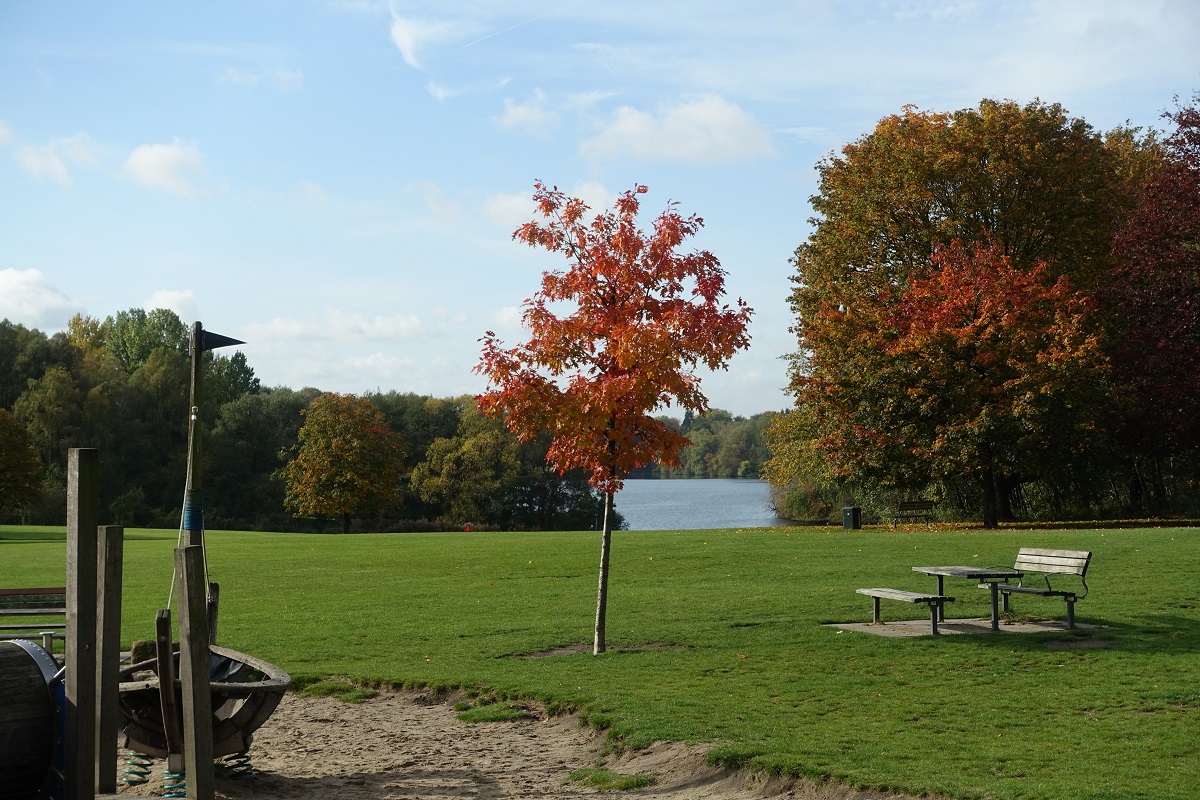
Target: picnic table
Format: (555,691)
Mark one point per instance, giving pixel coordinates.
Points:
(989,575)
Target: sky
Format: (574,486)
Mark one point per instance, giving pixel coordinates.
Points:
(336,182)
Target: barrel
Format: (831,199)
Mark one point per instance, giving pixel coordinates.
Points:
(27,718)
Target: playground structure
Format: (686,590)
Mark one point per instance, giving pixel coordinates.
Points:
(59,726)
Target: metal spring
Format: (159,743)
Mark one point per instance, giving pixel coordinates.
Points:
(137,769)
(174,784)
(236,766)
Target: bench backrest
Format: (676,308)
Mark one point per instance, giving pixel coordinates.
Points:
(916,505)
(42,598)
(1071,562)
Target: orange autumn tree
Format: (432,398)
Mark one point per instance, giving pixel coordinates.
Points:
(614,336)
(347,462)
(981,369)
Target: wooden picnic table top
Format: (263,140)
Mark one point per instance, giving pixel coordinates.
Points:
(971,573)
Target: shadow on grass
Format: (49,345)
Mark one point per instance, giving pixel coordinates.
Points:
(1156,634)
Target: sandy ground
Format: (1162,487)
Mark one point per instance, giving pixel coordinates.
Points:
(411,745)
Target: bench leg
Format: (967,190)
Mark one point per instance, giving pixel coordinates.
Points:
(875,611)
(1070,612)
(995,607)
(934,608)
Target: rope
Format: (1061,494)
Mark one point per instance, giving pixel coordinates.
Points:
(184,515)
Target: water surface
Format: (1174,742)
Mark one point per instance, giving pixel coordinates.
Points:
(657,505)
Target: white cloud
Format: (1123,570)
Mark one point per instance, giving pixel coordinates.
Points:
(166,166)
(410,35)
(508,318)
(6,134)
(533,116)
(509,211)
(237,77)
(338,327)
(52,161)
(439,92)
(183,303)
(313,191)
(702,128)
(28,298)
(344,326)
(283,79)
(436,200)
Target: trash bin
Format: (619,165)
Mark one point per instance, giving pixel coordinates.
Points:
(851,518)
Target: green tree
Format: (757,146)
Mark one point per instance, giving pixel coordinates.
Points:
(25,355)
(50,410)
(20,467)
(469,475)
(226,378)
(347,463)
(243,451)
(133,335)
(639,318)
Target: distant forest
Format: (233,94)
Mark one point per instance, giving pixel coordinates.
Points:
(121,386)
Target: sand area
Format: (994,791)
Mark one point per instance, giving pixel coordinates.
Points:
(412,745)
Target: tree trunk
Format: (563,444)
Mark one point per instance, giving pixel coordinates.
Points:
(345,523)
(988,482)
(598,646)
(1004,491)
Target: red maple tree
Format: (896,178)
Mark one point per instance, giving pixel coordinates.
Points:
(1154,294)
(615,336)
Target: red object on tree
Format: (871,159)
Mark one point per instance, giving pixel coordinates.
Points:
(615,336)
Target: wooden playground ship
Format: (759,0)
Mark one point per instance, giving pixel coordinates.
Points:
(244,690)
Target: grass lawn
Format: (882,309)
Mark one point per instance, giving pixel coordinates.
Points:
(742,659)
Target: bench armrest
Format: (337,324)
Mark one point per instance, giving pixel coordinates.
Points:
(1047,575)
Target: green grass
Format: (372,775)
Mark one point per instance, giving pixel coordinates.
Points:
(602,778)
(740,656)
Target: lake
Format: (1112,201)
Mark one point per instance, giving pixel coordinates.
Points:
(657,505)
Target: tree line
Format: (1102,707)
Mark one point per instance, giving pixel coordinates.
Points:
(999,308)
(121,385)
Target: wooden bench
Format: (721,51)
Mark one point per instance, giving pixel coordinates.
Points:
(1048,564)
(934,601)
(913,509)
(34,602)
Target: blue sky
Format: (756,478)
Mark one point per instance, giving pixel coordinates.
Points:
(337,182)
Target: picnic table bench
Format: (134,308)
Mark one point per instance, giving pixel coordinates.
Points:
(1047,564)
(33,602)
(913,509)
(934,601)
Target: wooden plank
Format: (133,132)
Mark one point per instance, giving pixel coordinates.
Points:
(904,596)
(1074,561)
(193,673)
(83,482)
(111,545)
(62,590)
(164,652)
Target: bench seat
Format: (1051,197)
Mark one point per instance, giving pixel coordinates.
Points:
(934,601)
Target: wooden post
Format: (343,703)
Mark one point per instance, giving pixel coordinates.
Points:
(193,496)
(110,545)
(83,501)
(214,610)
(165,658)
(193,672)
